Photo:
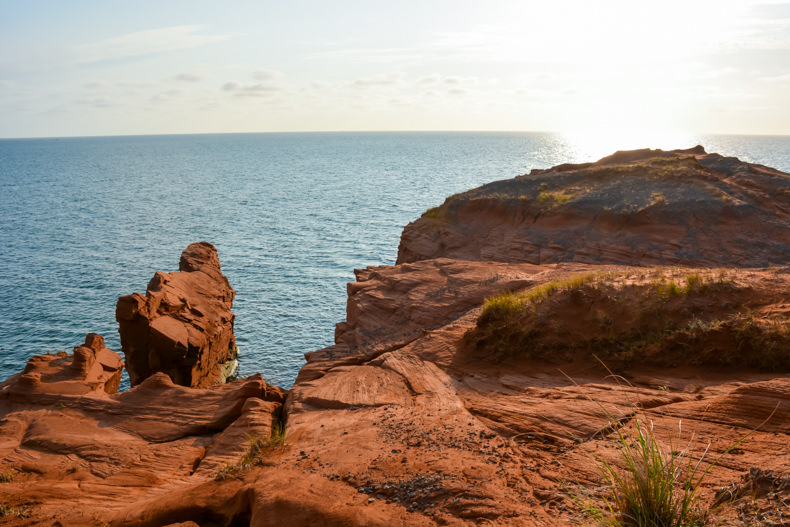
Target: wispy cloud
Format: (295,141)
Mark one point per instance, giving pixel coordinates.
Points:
(771,11)
(269,82)
(777,79)
(387,79)
(250,90)
(373,55)
(267,75)
(188,77)
(144,43)
(97,102)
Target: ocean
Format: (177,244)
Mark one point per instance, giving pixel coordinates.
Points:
(86,220)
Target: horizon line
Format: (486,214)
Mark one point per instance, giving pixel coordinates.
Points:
(565,132)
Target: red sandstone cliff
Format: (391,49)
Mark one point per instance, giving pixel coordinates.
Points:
(431,410)
(643,207)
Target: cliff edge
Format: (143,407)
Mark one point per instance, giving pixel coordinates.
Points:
(641,207)
(482,380)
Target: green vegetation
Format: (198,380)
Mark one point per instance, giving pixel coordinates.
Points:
(552,200)
(651,484)
(436,213)
(7,476)
(657,198)
(258,445)
(659,317)
(658,487)
(22,511)
(720,194)
(512,304)
(654,167)
(440,212)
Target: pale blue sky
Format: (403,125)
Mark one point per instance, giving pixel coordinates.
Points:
(104,68)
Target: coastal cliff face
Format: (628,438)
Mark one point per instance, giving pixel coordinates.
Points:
(473,388)
(642,207)
(183,325)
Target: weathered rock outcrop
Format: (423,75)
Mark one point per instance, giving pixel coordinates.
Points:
(146,456)
(91,368)
(183,326)
(642,207)
(417,417)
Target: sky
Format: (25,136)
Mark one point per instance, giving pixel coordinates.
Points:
(87,68)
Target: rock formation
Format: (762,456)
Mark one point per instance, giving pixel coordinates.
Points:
(91,368)
(87,458)
(183,326)
(436,406)
(642,207)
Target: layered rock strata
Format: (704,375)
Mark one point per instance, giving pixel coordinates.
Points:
(642,207)
(183,325)
(72,454)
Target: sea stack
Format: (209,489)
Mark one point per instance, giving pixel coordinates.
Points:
(183,325)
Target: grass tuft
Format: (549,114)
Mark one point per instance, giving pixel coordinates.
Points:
(658,488)
(22,511)
(258,445)
(552,200)
(436,213)
(655,486)
(658,317)
(510,304)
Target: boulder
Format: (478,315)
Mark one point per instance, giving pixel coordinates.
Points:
(183,326)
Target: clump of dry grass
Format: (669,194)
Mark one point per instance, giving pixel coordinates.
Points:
(658,487)
(258,445)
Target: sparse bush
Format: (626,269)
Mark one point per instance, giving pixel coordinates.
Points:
(662,317)
(553,199)
(657,198)
(502,306)
(511,304)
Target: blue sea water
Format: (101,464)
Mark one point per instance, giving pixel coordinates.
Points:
(86,220)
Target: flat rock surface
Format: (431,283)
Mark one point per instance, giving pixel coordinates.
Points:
(426,431)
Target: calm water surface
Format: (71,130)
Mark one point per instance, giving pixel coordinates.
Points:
(86,220)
